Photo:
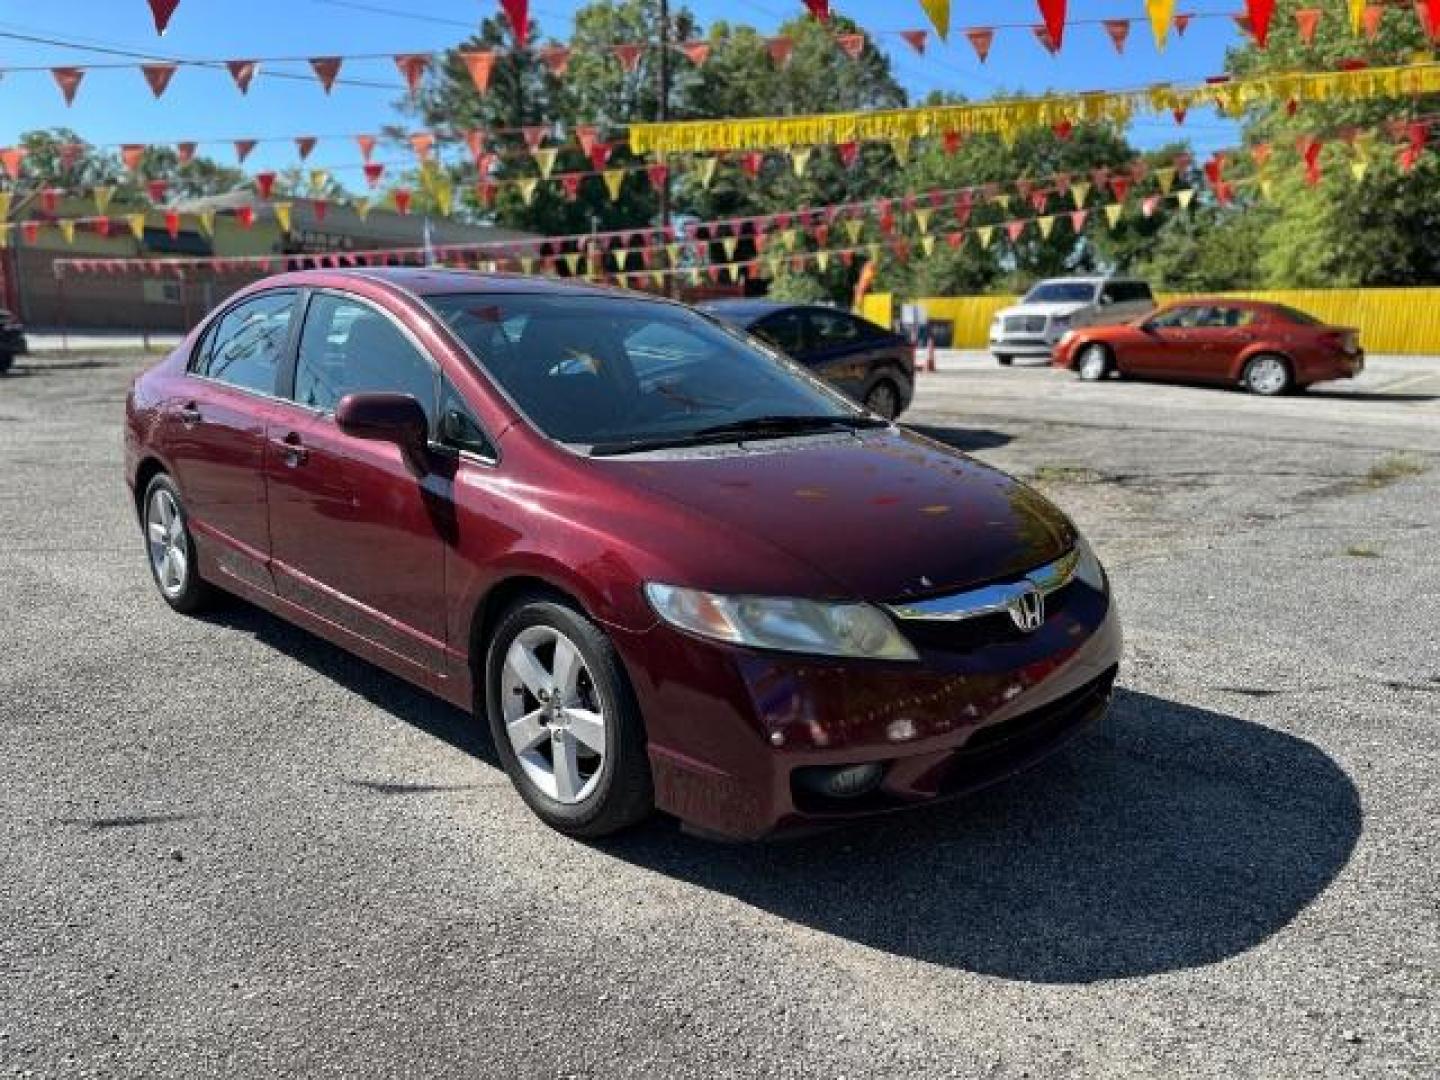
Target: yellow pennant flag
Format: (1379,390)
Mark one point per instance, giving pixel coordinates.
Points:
(673,250)
(545,160)
(137,225)
(282,215)
(5,200)
(705,172)
(361,208)
(695,276)
(853,228)
(443,192)
(800,158)
(1113,212)
(939,12)
(927,244)
(4,237)
(788,239)
(1080,192)
(527,186)
(1047,225)
(1162,16)
(901,149)
(207,221)
(318,179)
(733,270)
(822,260)
(1185,196)
(102,196)
(527,264)
(1363,143)
(572,262)
(657,278)
(1357,15)
(614,179)
(1267,187)
(1002,201)
(1166,178)
(922,218)
(985,233)
(1358,169)
(729,244)
(773,264)
(67,229)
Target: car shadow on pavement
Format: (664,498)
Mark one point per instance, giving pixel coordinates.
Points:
(1169,838)
(965,439)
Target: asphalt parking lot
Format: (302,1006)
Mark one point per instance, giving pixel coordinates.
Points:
(231,848)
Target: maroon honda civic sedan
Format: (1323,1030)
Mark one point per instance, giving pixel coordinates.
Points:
(667,566)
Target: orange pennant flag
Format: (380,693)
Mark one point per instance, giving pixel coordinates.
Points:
(481,66)
(981,38)
(327,69)
(242,71)
(130,154)
(68,79)
(412,68)
(1307,21)
(915,39)
(629,56)
(243,148)
(158,76)
(421,142)
(367,146)
(1119,31)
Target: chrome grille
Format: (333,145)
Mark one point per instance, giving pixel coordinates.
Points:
(1025,324)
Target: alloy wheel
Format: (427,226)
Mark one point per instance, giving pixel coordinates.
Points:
(553,714)
(1092,364)
(165,535)
(1267,375)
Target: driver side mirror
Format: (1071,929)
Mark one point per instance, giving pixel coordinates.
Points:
(392,418)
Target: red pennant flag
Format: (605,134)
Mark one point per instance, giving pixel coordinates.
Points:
(245,215)
(1310,154)
(780,49)
(751,163)
(1042,35)
(819,8)
(101,225)
(158,76)
(1180,112)
(402,198)
(1307,21)
(556,58)
(172,223)
(68,79)
(1120,185)
(131,154)
(848,153)
(570,182)
(1119,31)
(950,142)
(485,192)
(821,233)
(30,230)
(242,71)
(1077,220)
(1430,17)
(367,146)
(1260,13)
(373,172)
(422,142)
(1260,153)
(185,152)
(162,10)
(1215,171)
(1419,134)
(697,52)
(1053,12)
(599,155)
(155,190)
(1182,23)
(327,69)
(534,136)
(955,239)
(243,148)
(304,144)
(981,38)
(658,173)
(319,207)
(518,12)
(964,204)
(50,201)
(852,45)
(1063,130)
(629,56)
(412,68)
(782,220)
(265,184)
(586,135)
(1150,205)
(1039,201)
(480,65)
(1016,229)
(915,39)
(1371,18)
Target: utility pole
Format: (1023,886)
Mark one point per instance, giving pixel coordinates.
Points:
(662,113)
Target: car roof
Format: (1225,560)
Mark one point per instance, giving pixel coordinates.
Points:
(745,310)
(439,280)
(1091,279)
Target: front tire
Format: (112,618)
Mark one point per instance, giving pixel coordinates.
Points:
(884,400)
(171,547)
(1093,363)
(1004,361)
(1268,375)
(565,724)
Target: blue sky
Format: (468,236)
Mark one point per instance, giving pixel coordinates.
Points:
(115,106)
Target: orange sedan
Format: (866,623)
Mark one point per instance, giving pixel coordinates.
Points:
(1266,348)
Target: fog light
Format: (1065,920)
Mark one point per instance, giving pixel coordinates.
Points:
(840,781)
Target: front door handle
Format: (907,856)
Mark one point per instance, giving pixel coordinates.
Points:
(189,414)
(292,449)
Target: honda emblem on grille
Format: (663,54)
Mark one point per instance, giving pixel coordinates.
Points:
(1028,609)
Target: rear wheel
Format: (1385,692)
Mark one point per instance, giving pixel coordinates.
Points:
(1267,374)
(565,724)
(883,400)
(171,548)
(1094,363)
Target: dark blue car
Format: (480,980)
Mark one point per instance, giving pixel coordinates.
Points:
(865,361)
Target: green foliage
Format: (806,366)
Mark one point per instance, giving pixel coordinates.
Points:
(93,168)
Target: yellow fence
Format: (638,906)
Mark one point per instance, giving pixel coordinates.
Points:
(1389,320)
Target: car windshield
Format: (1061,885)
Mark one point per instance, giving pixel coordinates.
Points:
(617,374)
(1061,292)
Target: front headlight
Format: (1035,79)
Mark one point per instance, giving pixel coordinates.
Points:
(1088,568)
(764,622)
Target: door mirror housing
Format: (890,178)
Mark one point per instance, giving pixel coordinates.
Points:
(392,418)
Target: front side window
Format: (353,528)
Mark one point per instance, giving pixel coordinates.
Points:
(1180,318)
(245,348)
(831,328)
(349,347)
(592,370)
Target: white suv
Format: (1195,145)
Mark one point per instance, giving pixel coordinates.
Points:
(1053,308)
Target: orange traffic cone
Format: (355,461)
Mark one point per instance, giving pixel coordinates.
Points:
(930,355)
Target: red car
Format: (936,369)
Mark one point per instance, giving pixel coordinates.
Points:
(1266,348)
(666,565)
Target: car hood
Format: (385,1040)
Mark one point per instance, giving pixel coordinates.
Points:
(884,515)
(1052,310)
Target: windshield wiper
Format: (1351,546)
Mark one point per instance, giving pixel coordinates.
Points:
(755,427)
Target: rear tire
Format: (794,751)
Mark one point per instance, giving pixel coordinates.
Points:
(1268,375)
(565,723)
(1093,363)
(884,399)
(171,548)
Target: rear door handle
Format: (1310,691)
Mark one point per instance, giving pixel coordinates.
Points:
(292,449)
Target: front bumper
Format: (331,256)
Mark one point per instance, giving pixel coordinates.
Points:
(728,728)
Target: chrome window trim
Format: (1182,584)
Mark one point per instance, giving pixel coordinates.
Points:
(990,599)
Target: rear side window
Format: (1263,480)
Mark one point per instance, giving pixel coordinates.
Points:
(247,344)
(833,328)
(1128,292)
(783,330)
(1295,315)
(349,347)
